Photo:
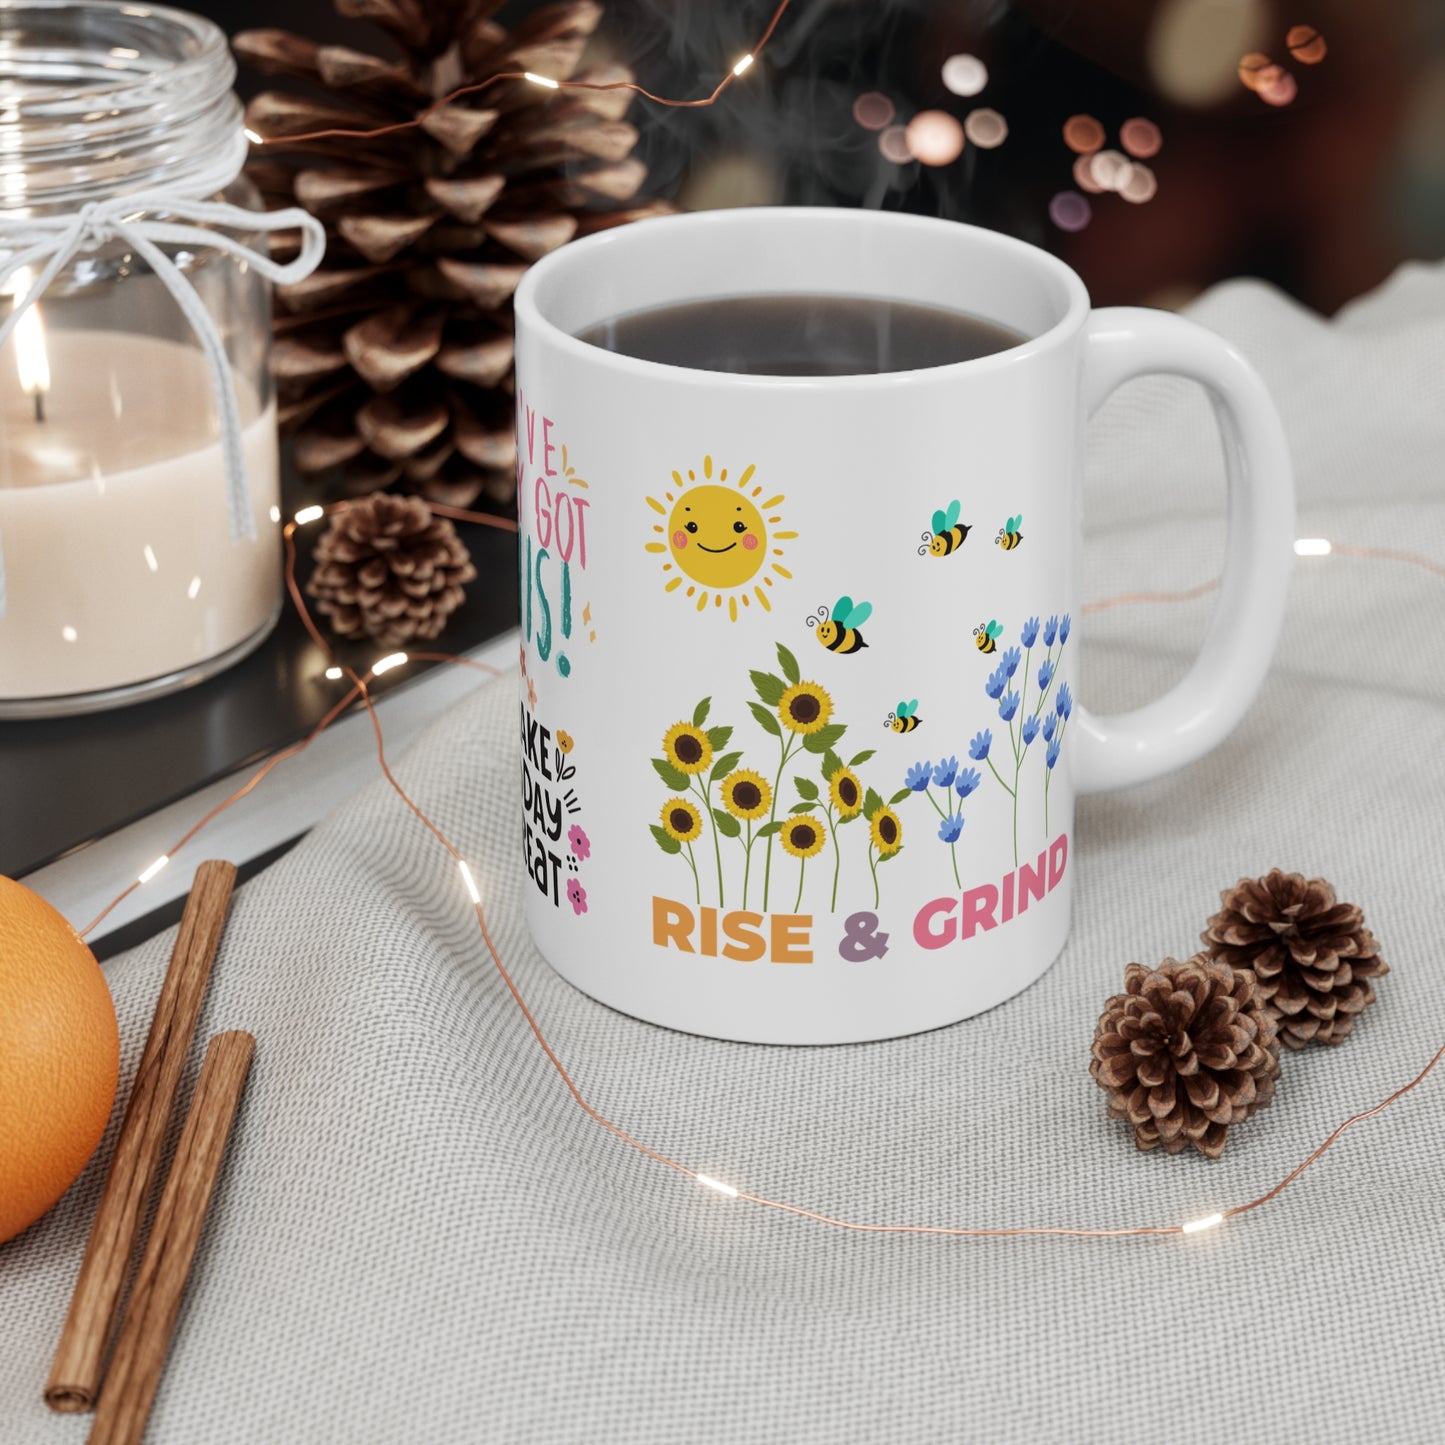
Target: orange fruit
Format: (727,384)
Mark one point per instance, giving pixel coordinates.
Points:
(59,1056)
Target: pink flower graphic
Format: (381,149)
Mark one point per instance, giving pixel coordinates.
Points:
(581,843)
(576,896)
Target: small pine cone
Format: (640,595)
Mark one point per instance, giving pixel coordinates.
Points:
(1185,1051)
(388,570)
(1313,957)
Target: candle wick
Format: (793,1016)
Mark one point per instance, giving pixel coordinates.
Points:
(39,404)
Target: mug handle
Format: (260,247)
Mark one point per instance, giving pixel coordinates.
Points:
(1202,709)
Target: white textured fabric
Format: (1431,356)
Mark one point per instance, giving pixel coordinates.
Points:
(418,1236)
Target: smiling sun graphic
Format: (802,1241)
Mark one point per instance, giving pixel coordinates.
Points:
(717,539)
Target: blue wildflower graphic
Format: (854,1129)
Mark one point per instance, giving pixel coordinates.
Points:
(924,777)
(967,782)
(1026,717)
(1063,711)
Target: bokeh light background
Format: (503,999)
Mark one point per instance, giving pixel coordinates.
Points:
(1157,145)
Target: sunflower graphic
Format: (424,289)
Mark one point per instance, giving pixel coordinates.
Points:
(886,832)
(805,708)
(746,794)
(803,836)
(681,820)
(846,792)
(687,748)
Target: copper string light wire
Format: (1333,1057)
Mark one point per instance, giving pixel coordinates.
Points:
(547,82)
(360,689)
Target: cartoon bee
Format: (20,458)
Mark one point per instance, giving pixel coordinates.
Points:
(986,636)
(905,718)
(948,533)
(839,633)
(1009,535)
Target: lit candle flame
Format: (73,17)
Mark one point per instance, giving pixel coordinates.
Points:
(31,359)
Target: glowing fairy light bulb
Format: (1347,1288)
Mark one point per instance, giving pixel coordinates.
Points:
(154,868)
(256,140)
(742,64)
(469,880)
(934,137)
(1196,1226)
(543,80)
(309,514)
(708,1182)
(1313,547)
(385,664)
(964,74)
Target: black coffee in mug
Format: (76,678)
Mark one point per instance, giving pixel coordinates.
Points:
(801,335)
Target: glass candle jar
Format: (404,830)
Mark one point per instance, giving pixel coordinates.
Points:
(131,568)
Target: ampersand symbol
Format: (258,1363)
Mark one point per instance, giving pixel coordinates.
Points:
(861,939)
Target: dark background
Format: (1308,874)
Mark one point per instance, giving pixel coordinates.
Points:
(1323,196)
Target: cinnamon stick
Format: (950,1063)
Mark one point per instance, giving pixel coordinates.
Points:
(155,1298)
(75,1372)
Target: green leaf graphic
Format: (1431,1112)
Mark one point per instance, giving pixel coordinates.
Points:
(899,796)
(832,765)
(871,803)
(674,779)
(665,840)
(727,825)
(718,737)
(788,663)
(825,738)
(857,762)
(768,829)
(769,687)
(766,720)
(807,788)
(699,713)
(724,765)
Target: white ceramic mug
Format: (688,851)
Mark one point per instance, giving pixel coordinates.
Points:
(727,829)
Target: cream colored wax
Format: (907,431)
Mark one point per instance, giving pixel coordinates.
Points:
(114,523)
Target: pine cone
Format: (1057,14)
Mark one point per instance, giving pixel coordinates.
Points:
(388,570)
(1312,956)
(1185,1051)
(394,360)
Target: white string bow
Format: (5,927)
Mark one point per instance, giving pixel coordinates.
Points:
(52,242)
